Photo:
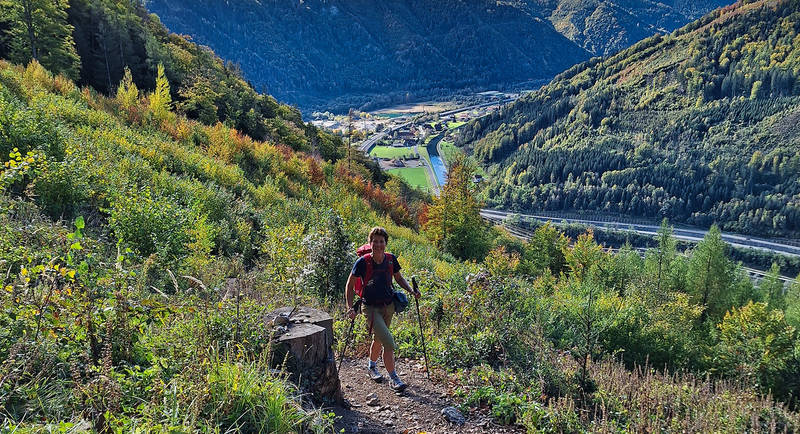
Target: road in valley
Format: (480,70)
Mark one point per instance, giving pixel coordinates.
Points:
(686,234)
(692,235)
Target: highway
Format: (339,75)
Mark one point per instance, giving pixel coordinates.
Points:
(691,235)
(499,217)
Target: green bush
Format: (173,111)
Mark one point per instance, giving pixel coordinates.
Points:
(152,225)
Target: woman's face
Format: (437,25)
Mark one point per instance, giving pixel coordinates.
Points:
(378,244)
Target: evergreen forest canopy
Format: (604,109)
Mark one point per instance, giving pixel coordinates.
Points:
(605,27)
(330,55)
(140,248)
(699,126)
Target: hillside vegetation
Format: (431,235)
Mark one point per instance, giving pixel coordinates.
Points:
(141,248)
(604,27)
(699,126)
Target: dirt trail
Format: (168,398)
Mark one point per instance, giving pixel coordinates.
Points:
(416,410)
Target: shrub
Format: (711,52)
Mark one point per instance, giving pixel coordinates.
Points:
(152,225)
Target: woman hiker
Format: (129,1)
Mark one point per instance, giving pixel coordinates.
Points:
(376,271)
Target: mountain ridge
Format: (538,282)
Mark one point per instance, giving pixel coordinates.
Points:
(339,54)
(685,126)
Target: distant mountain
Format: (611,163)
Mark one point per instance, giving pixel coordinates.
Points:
(317,53)
(603,27)
(336,54)
(698,126)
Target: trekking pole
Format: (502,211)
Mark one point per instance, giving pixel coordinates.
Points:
(356,308)
(421,334)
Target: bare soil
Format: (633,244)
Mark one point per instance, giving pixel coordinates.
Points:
(418,409)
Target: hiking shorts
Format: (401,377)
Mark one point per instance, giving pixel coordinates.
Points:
(378,320)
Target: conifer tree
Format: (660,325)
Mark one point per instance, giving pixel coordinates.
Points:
(38,30)
(793,304)
(711,274)
(454,221)
(660,260)
(160,100)
(771,288)
(127,92)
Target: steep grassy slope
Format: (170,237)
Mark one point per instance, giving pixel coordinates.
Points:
(697,126)
(128,314)
(104,37)
(140,249)
(312,52)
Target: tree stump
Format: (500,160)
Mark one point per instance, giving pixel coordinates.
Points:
(304,338)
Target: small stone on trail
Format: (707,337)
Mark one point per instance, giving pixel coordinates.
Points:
(372,399)
(453,415)
(389,423)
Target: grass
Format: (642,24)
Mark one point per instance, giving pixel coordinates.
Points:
(415,176)
(390,152)
(454,125)
(449,151)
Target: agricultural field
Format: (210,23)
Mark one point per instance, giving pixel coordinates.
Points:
(415,176)
(391,152)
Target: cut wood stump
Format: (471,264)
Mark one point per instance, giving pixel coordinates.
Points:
(303,337)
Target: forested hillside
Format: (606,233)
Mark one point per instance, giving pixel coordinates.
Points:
(340,54)
(94,41)
(140,249)
(605,27)
(699,126)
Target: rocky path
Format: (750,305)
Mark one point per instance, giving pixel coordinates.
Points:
(375,408)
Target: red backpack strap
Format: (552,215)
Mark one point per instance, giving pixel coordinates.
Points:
(390,268)
(368,269)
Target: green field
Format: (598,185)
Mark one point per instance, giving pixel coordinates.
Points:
(452,125)
(449,150)
(390,152)
(415,176)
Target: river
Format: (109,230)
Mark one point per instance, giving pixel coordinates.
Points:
(439,169)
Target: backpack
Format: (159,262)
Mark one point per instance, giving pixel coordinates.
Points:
(365,251)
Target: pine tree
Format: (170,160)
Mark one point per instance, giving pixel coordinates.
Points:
(660,260)
(160,100)
(793,303)
(454,221)
(711,275)
(771,288)
(127,92)
(38,30)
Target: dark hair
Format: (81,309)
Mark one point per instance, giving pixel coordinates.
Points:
(378,231)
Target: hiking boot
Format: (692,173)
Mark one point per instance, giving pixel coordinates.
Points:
(397,384)
(374,374)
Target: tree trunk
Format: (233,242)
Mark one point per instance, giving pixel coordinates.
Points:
(307,345)
(27,7)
